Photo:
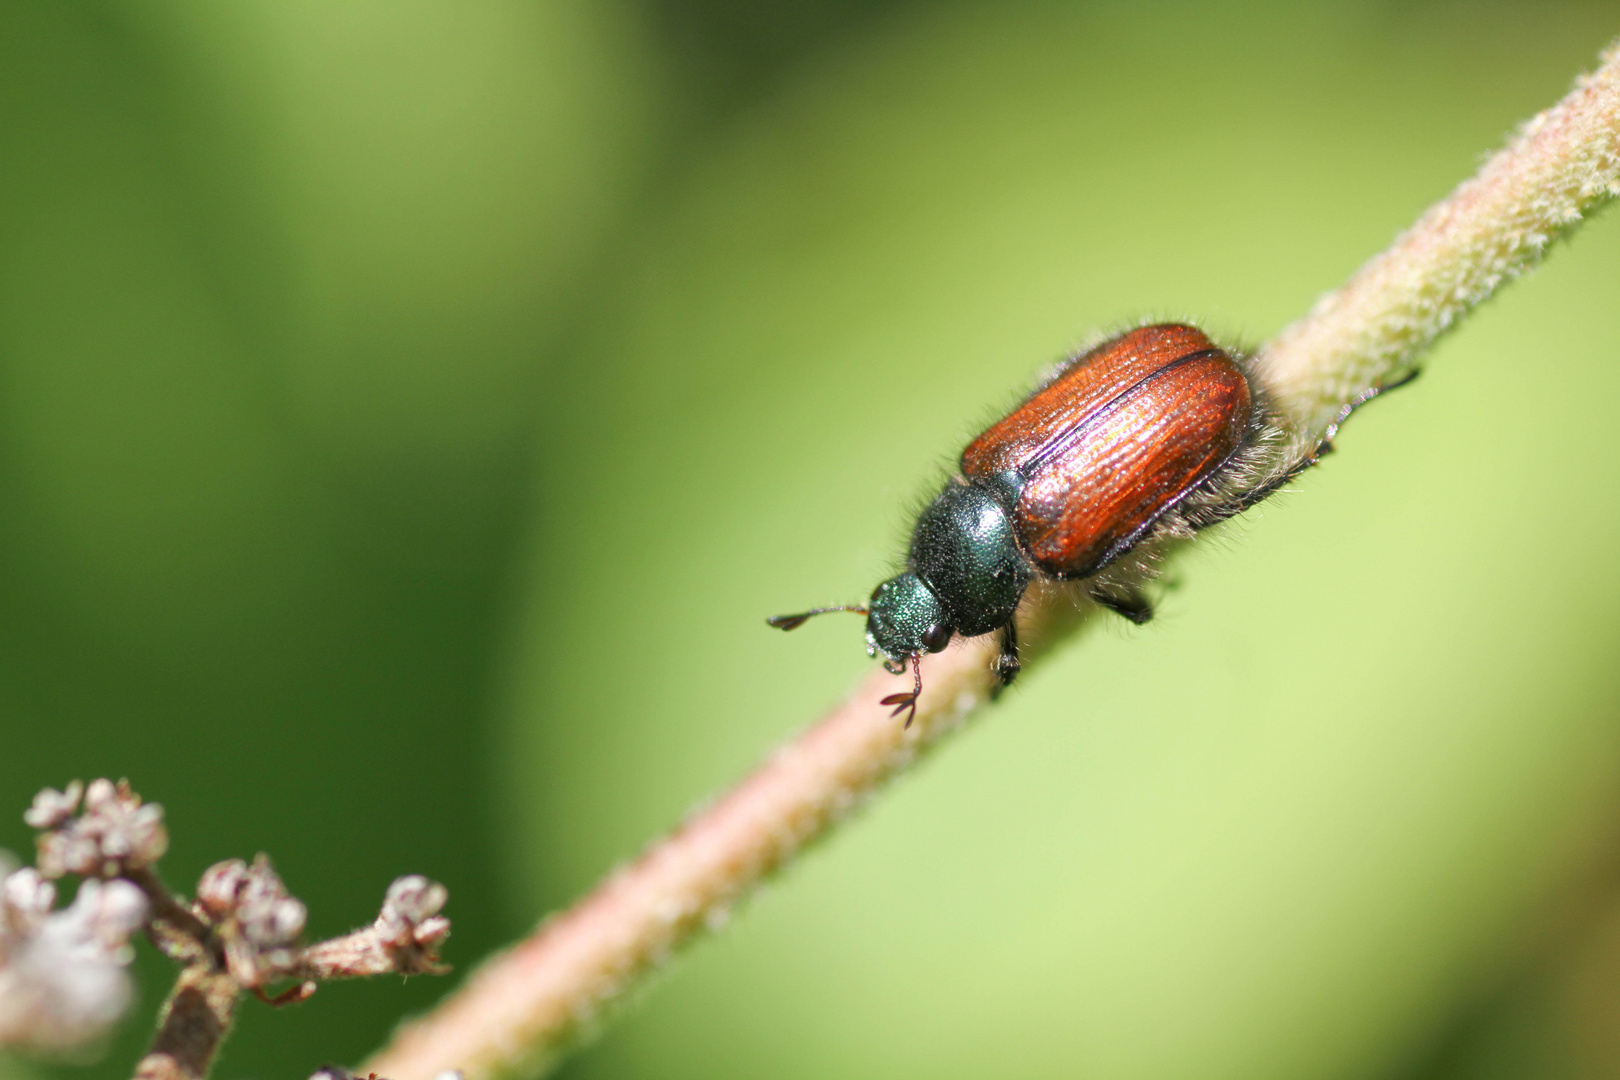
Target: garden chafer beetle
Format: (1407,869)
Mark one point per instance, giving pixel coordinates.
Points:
(1150,436)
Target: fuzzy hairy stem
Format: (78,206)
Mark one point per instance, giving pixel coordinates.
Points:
(173,927)
(194,1021)
(1497,225)
(524,1006)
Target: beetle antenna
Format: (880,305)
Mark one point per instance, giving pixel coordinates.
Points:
(793,622)
(904,701)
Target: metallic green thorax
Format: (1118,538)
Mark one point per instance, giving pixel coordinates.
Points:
(966,576)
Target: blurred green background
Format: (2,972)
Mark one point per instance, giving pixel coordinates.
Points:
(408,411)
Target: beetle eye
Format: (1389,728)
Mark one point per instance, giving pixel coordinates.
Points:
(936,637)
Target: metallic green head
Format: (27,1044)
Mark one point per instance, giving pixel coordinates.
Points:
(905,617)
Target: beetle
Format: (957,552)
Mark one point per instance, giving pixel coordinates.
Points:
(1148,437)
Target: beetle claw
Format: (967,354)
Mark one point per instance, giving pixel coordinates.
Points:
(902,702)
(907,699)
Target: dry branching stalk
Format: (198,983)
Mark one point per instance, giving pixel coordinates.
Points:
(523,1007)
(62,973)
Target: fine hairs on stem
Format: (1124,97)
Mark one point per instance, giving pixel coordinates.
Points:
(524,1006)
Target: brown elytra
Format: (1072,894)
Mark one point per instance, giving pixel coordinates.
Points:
(1114,442)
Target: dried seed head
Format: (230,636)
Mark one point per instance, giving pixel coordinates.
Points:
(410,913)
(26,899)
(269,917)
(220,886)
(63,982)
(256,917)
(113,835)
(51,807)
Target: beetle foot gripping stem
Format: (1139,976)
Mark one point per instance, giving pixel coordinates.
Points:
(1130,604)
(908,699)
(1007,665)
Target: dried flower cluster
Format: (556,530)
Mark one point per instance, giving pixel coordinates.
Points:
(404,938)
(257,922)
(63,982)
(63,978)
(114,835)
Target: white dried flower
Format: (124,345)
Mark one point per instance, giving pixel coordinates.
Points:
(114,834)
(26,898)
(63,982)
(51,807)
(268,916)
(258,920)
(220,886)
(410,913)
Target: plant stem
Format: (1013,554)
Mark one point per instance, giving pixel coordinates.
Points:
(1497,225)
(194,1021)
(524,1006)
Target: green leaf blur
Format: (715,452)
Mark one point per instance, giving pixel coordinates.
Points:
(408,413)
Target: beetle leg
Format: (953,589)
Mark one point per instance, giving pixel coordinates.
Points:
(907,700)
(1131,604)
(1214,515)
(1007,665)
(1352,405)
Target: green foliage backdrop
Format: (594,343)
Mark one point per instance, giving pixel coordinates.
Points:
(408,411)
